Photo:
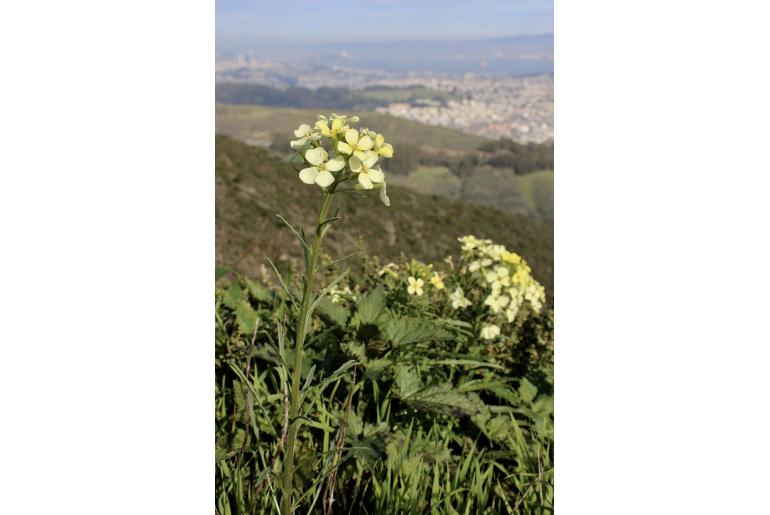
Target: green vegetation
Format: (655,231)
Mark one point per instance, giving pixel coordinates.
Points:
(530,194)
(437,180)
(522,157)
(326,98)
(407,408)
(536,189)
(485,172)
(345,386)
(252,186)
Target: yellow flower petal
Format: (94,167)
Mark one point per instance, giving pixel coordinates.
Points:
(371,159)
(363,178)
(316,156)
(344,147)
(376,175)
(386,150)
(323,126)
(336,164)
(337,124)
(324,178)
(351,136)
(308,175)
(355,163)
(365,143)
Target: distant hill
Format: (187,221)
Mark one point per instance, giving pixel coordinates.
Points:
(252,186)
(259,124)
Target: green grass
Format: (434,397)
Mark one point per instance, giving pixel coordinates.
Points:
(432,180)
(406,409)
(530,194)
(252,187)
(258,123)
(536,190)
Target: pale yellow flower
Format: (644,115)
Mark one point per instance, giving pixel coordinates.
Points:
(338,126)
(496,303)
(380,147)
(320,172)
(306,135)
(355,143)
(362,163)
(389,269)
(436,281)
(415,286)
(490,332)
(458,299)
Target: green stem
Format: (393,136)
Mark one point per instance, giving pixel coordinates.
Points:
(307,293)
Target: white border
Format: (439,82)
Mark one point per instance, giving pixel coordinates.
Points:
(107,214)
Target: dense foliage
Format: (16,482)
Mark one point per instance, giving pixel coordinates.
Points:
(523,158)
(427,389)
(325,97)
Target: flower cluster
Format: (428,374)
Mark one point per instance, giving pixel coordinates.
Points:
(490,287)
(338,295)
(333,152)
(506,282)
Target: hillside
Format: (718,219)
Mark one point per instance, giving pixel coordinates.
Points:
(252,186)
(257,124)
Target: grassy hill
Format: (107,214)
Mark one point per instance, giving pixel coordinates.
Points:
(530,194)
(252,186)
(252,123)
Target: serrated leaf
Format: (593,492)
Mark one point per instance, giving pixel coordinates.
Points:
(527,391)
(499,388)
(233,296)
(406,330)
(375,368)
(499,428)
(337,313)
(221,271)
(246,317)
(355,424)
(407,380)
(258,292)
(445,399)
(371,305)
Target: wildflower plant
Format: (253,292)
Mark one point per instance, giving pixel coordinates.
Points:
(338,158)
(432,358)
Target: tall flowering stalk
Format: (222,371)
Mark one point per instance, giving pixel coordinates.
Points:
(331,154)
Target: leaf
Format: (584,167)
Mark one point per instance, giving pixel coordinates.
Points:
(355,424)
(375,368)
(401,331)
(499,428)
(280,280)
(527,391)
(246,317)
(258,292)
(496,386)
(371,305)
(233,296)
(445,399)
(299,236)
(335,312)
(407,380)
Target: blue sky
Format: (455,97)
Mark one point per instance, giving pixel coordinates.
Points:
(303,21)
